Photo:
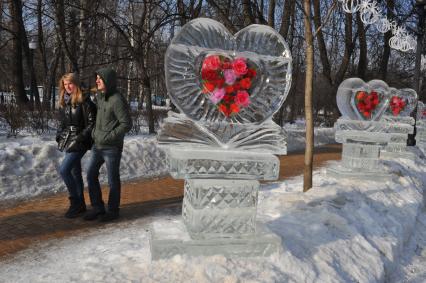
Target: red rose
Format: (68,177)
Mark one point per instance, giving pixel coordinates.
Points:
(228,98)
(229,89)
(225,110)
(242,98)
(251,73)
(234,108)
(208,87)
(219,82)
(245,83)
(209,75)
(211,62)
(239,66)
(237,86)
(227,65)
(360,95)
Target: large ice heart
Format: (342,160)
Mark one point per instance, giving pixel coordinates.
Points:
(202,38)
(401,102)
(359,100)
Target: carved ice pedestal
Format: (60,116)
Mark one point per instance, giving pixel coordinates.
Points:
(397,146)
(362,142)
(421,136)
(219,206)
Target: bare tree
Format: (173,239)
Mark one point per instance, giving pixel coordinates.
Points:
(15,8)
(309,149)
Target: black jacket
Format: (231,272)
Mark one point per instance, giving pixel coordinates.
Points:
(75,126)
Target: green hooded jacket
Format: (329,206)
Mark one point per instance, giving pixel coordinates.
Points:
(113,119)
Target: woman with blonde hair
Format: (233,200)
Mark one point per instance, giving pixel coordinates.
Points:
(77,116)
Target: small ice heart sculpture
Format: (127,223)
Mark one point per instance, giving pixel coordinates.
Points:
(358,100)
(421,111)
(214,76)
(401,102)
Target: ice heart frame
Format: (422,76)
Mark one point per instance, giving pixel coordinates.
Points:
(401,102)
(201,38)
(348,99)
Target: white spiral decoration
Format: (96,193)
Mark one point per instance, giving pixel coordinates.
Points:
(370,14)
(351,6)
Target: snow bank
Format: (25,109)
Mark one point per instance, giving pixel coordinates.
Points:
(29,165)
(339,231)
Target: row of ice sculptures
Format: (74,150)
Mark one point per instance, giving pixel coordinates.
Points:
(227,87)
(375,125)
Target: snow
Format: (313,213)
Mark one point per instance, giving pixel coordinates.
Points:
(339,231)
(29,165)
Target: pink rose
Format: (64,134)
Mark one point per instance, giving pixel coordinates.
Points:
(211,63)
(217,95)
(239,66)
(230,76)
(242,98)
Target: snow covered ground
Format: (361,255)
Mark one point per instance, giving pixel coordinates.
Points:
(29,165)
(339,231)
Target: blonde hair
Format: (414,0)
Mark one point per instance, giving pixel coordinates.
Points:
(77,96)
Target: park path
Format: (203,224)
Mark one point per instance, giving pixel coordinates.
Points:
(26,223)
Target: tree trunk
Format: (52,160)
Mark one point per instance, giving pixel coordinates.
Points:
(326,68)
(271,13)
(390,4)
(42,48)
(61,30)
(309,61)
(223,16)
(82,46)
(288,11)
(15,8)
(362,63)
(182,12)
(248,13)
(149,112)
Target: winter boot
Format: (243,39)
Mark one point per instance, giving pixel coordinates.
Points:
(76,208)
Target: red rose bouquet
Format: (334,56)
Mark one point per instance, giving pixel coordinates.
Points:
(366,103)
(227,82)
(397,104)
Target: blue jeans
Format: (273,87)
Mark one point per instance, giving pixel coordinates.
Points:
(70,171)
(111,157)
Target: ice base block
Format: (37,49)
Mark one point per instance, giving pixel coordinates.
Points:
(222,164)
(339,171)
(397,151)
(168,240)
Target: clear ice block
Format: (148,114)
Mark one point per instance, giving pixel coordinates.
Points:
(215,164)
(220,208)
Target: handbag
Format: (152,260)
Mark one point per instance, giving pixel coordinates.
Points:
(63,139)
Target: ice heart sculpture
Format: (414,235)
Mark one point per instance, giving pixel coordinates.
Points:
(421,111)
(212,75)
(402,102)
(359,100)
